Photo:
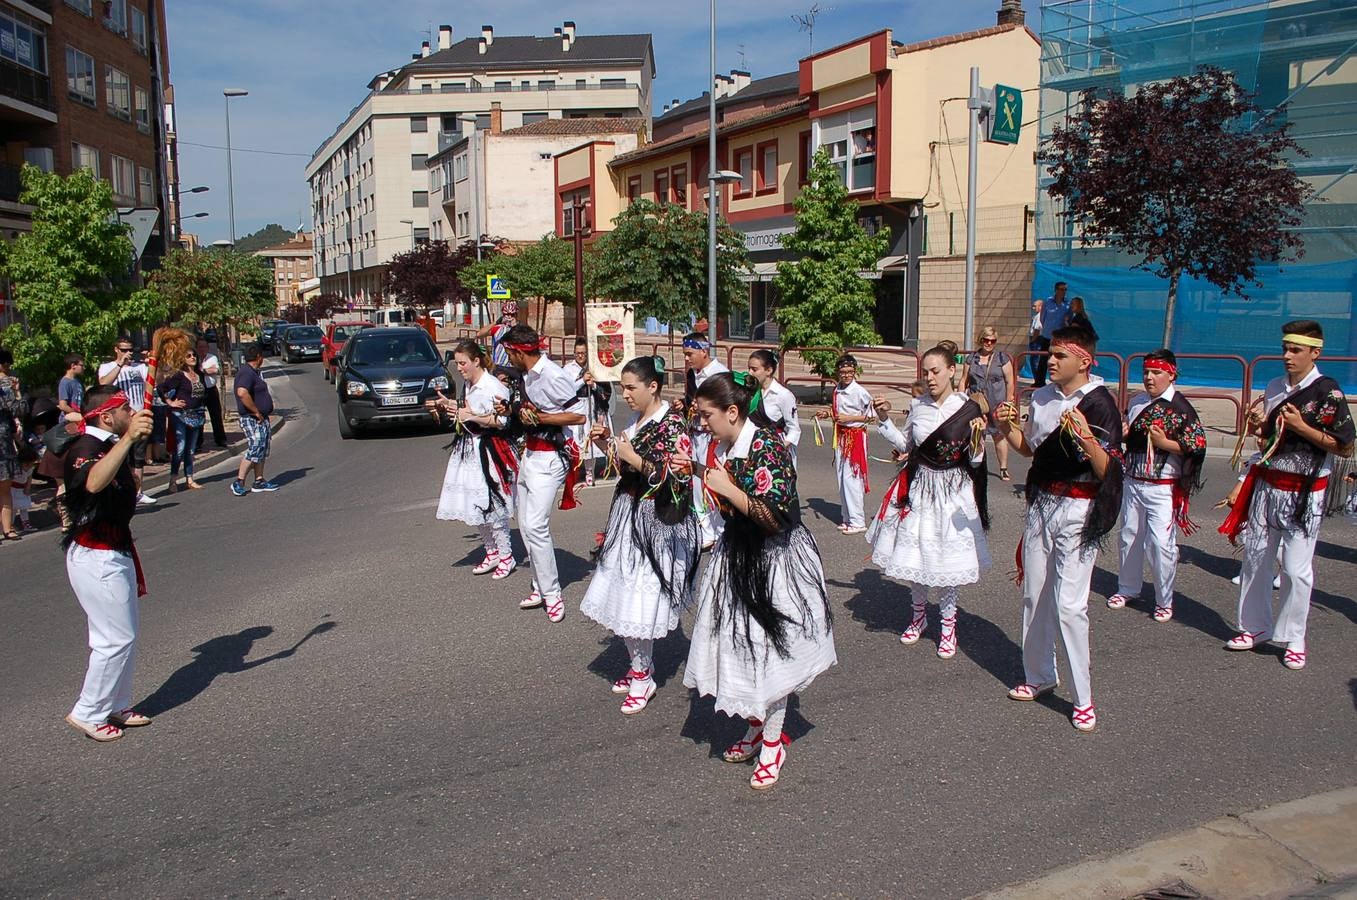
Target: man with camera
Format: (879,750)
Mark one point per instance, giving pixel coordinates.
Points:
(128,373)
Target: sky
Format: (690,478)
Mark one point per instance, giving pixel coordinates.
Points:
(307,64)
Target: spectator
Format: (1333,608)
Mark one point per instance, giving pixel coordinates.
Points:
(12,410)
(209,366)
(160,417)
(70,391)
(496,332)
(183,393)
(52,463)
(129,376)
(989,371)
(1079,317)
(20,498)
(1055,314)
(254,403)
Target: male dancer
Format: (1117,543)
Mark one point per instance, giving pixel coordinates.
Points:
(851,410)
(1165,449)
(1280,502)
(1073,435)
(549,461)
(101,560)
(700,366)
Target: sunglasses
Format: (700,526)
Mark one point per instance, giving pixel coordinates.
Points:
(989,340)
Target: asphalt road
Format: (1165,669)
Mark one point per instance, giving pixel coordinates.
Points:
(339,712)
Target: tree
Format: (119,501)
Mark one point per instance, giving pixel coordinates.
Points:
(320,306)
(214,287)
(426,276)
(656,257)
(1178,176)
(267,236)
(824,301)
(72,276)
(544,270)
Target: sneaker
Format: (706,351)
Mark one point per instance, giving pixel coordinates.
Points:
(144,499)
(264,487)
(238,488)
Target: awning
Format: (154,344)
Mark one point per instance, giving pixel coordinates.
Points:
(308,288)
(892,262)
(764,271)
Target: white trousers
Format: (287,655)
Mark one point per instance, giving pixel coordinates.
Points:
(851,493)
(1056,575)
(1148,530)
(540,477)
(1264,543)
(105,583)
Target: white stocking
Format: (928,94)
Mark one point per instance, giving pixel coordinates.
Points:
(488,539)
(947,602)
(919,594)
(642,655)
(502,544)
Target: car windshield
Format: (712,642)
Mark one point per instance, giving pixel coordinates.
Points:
(303,332)
(377,350)
(344,332)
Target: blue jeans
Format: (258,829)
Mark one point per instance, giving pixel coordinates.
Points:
(186,440)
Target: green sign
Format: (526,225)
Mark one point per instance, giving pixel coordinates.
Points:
(1005,119)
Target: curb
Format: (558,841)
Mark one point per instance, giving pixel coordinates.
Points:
(1290,849)
(217,456)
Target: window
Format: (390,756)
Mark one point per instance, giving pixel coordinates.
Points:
(80,77)
(482,121)
(143,111)
(419,124)
(633,189)
(662,186)
(118,93)
(124,178)
(546,85)
(83,157)
(851,141)
(744,164)
(568,211)
(145,187)
(504,85)
(767,153)
(525,85)
(448,124)
(21,41)
(421,235)
(84,6)
(678,181)
(417,161)
(452,87)
(581,84)
(419,199)
(115,16)
(803,158)
(426,88)
(139,30)
(530,117)
(612,83)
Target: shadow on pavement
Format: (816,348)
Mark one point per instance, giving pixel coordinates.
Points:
(1334,551)
(879,604)
(571,568)
(830,512)
(718,731)
(613,661)
(1344,606)
(1352,687)
(291,475)
(220,656)
(989,647)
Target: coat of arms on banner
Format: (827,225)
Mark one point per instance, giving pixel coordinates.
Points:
(612,340)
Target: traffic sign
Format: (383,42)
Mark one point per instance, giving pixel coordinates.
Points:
(496,289)
(1005,117)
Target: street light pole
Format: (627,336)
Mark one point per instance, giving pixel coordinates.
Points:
(711,184)
(228,93)
(579,207)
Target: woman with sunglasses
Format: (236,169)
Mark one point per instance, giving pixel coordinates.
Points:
(989,371)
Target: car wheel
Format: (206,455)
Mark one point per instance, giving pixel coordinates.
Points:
(346,431)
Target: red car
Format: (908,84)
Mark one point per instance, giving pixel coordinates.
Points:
(333,343)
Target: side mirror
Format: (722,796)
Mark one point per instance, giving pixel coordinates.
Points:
(447,357)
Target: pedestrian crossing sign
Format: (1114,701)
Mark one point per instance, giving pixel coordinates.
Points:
(495,288)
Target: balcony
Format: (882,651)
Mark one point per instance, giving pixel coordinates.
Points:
(26,86)
(10,183)
(533,87)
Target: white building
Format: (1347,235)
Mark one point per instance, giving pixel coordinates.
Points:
(370,190)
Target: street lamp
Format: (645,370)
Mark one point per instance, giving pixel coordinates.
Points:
(196,190)
(714,178)
(228,93)
(198,215)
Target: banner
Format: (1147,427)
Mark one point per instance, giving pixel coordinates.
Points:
(611,329)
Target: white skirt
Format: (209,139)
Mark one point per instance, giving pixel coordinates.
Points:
(720,662)
(466,493)
(940,542)
(625,594)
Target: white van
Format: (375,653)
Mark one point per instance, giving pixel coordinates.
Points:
(390,317)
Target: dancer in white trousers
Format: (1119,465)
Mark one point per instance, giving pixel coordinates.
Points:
(101,559)
(762,630)
(648,560)
(478,485)
(851,412)
(1165,449)
(1280,503)
(550,461)
(1073,435)
(779,404)
(930,531)
(700,367)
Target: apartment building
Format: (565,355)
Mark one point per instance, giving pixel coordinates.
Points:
(888,114)
(82,85)
(292,265)
(370,180)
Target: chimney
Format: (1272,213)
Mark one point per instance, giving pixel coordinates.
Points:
(723,86)
(1011,13)
(488,34)
(482,46)
(741,80)
(444,37)
(567,36)
(496,118)
(424,49)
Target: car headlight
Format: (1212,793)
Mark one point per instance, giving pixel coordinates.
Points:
(439,382)
(355,388)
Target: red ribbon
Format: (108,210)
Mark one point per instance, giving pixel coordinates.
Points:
(572,476)
(522,348)
(852,444)
(898,489)
(1234,523)
(1075,349)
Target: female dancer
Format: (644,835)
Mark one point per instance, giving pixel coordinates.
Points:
(930,531)
(762,630)
(778,403)
(648,560)
(989,371)
(478,487)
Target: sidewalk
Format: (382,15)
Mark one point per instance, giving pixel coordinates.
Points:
(1305,848)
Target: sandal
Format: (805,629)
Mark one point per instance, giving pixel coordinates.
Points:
(173,488)
(766,773)
(1163,613)
(13,535)
(1294,659)
(1003,474)
(746,747)
(1118,601)
(1026,691)
(1084,718)
(1246,640)
(634,703)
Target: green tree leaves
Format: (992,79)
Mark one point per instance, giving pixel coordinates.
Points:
(214,287)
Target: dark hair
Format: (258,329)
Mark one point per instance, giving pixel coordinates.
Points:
(648,370)
(522,333)
(947,353)
(847,359)
(6,358)
(724,391)
(765,357)
(253,352)
(948,347)
(97,396)
(1080,337)
(581,341)
(73,358)
(1164,355)
(1059,285)
(1304,328)
(472,350)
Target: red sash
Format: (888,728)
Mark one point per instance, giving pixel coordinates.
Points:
(89,541)
(852,445)
(1078,490)
(1291,482)
(898,488)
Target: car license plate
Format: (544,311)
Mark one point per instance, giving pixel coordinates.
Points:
(312,352)
(400,401)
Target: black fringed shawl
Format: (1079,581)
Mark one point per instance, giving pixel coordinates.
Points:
(948,447)
(1059,460)
(1178,420)
(1322,405)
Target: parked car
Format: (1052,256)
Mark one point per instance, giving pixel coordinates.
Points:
(437,316)
(267,331)
(336,334)
(384,375)
(300,343)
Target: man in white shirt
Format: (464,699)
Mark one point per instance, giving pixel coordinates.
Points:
(129,376)
(210,366)
(851,411)
(549,461)
(700,366)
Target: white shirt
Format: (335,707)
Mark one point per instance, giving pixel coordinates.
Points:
(211,366)
(656,416)
(481,396)
(1049,405)
(853,400)
(549,388)
(1279,391)
(715,367)
(576,373)
(131,381)
(925,415)
(780,403)
(1173,462)
(95,431)
(740,448)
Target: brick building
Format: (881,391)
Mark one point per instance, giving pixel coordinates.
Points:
(292,266)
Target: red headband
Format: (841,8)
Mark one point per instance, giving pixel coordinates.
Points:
(1075,349)
(117,401)
(523,348)
(1161,365)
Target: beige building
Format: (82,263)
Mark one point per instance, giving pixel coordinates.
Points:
(369,180)
(292,265)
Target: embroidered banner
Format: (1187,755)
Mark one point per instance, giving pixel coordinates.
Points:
(612,339)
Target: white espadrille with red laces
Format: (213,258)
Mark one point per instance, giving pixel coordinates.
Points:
(639,694)
(746,747)
(1118,601)
(555,608)
(1030,691)
(101,733)
(506,565)
(916,628)
(532,601)
(1084,718)
(1246,640)
(772,758)
(129,718)
(947,643)
(1294,659)
(486,565)
(1163,613)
